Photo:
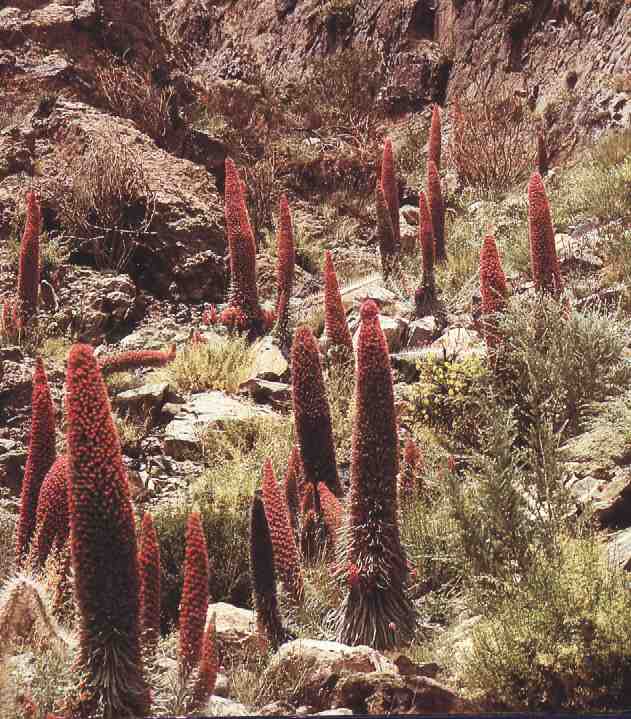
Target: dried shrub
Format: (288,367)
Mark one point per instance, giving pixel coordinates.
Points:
(134,95)
(105,204)
(493,142)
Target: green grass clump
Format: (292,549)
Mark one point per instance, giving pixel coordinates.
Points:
(561,641)
(220,364)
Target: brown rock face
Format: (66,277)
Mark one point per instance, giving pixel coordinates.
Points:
(180,200)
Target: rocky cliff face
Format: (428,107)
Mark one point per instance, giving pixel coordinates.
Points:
(132,69)
(570,58)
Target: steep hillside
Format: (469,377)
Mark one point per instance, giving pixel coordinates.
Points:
(315,360)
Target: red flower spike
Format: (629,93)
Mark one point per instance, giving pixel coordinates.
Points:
(543,256)
(435,138)
(286,559)
(331,511)
(263,574)
(312,415)
(123,361)
(41,455)
(286,254)
(426,293)
(391,189)
(29,268)
(104,552)
(149,561)
(437,210)
(194,604)
(374,543)
(410,482)
(268,317)
(242,248)
(52,510)
(336,326)
(493,288)
(234,319)
(208,667)
(197,338)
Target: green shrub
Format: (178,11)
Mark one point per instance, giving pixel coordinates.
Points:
(561,641)
(556,362)
(599,186)
(510,508)
(433,543)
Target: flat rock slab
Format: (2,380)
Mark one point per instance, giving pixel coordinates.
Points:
(269,362)
(203,412)
(148,397)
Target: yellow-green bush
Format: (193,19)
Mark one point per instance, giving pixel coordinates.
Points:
(447,395)
(560,642)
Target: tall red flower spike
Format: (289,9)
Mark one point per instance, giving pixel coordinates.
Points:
(543,256)
(123,361)
(426,293)
(29,268)
(194,604)
(391,189)
(389,248)
(378,599)
(437,210)
(41,455)
(149,560)
(493,286)
(312,415)
(104,551)
(242,248)
(263,574)
(208,666)
(410,481)
(286,559)
(293,489)
(331,511)
(335,324)
(286,254)
(435,138)
(52,510)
